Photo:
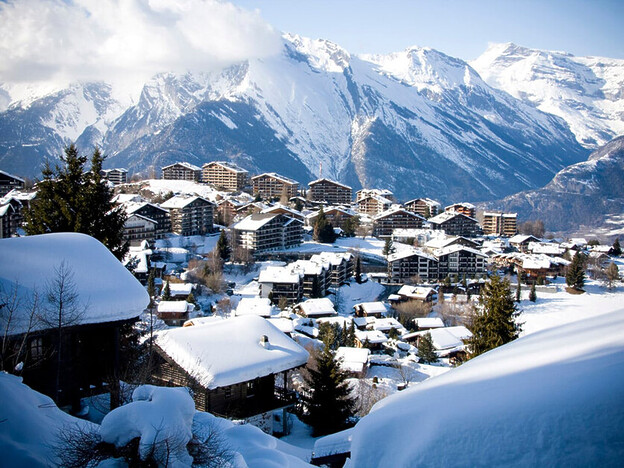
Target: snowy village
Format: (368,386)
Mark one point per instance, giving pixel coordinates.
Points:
(253,234)
(249,317)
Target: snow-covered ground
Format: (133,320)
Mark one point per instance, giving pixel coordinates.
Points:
(551,398)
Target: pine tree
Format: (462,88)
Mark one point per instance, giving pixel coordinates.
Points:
(358,270)
(350,336)
(166,295)
(575,277)
(388,247)
(518,290)
(533,293)
(151,285)
(72,199)
(494,323)
(617,250)
(323,229)
(426,350)
(328,402)
(223,247)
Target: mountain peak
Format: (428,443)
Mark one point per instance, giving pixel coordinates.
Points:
(322,54)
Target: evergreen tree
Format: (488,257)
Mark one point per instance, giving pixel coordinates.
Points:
(151,286)
(191,299)
(323,229)
(350,335)
(166,295)
(223,247)
(426,350)
(388,247)
(518,290)
(494,322)
(358,270)
(533,293)
(328,402)
(575,277)
(617,250)
(72,199)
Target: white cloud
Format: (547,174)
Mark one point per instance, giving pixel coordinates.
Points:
(44,41)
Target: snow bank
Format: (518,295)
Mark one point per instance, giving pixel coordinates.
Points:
(104,286)
(29,424)
(552,398)
(156,415)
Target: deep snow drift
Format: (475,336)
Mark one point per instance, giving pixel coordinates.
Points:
(552,398)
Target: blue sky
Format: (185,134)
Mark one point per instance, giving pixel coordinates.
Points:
(461,28)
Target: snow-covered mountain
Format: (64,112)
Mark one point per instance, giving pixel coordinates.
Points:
(589,193)
(417,122)
(587,92)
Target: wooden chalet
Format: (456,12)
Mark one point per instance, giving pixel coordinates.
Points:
(467,209)
(73,352)
(231,365)
(370,309)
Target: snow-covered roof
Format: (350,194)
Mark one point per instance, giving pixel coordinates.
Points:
(547,248)
(372,336)
(229,165)
(372,307)
(408,252)
(561,387)
(314,307)
(386,324)
(11,175)
(174,307)
(260,306)
(231,351)
(429,322)
(427,201)
(522,238)
(467,205)
(333,258)
(180,201)
(255,221)
(457,248)
(184,164)
(352,359)
(330,181)
(279,207)
(277,274)
(180,289)
(395,210)
(415,292)
(448,215)
(277,176)
(106,289)
(339,442)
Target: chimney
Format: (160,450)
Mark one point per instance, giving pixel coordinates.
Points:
(264,342)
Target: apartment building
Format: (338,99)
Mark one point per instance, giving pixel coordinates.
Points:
(261,232)
(500,224)
(273,185)
(190,215)
(330,191)
(385,223)
(224,175)
(182,171)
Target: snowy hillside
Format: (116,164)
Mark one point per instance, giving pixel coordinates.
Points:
(587,92)
(418,122)
(552,398)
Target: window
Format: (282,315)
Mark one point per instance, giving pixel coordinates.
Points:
(251,388)
(36,348)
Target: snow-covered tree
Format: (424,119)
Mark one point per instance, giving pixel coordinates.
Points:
(426,350)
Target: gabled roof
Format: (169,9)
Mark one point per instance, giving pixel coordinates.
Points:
(406,253)
(178,202)
(427,201)
(457,248)
(12,176)
(228,165)
(184,164)
(372,307)
(467,205)
(522,238)
(330,181)
(448,215)
(228,352)
(392,211)
(260,306)
(321,306)
(178,307)
(277,176)
(276,274)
